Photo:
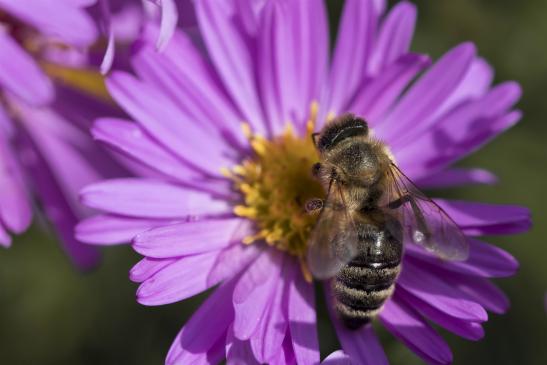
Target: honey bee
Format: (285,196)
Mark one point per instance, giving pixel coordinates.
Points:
(370,211)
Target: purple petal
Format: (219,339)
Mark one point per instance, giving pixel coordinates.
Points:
(359,20)
(232,261)
(433,290)
(420,102)
(204,330)
(475,84)
(361,345)
(303,322)
(21,75)
(285,354)
(457,177)
(487,219)
(183,279)
(254,291)
(270,333)
(484,260)
(161,118)
(337,358)
(5,239)
(231,56)
(477,122)
(469,330)
(394,37)
(190,238)
(150,199)
(411,329)
(144,269)
(380,93)
(183,74)
(56,196)
(110,229)
(64,21)
(238,352)
(295,49)
(15,210)
(130,139)
(169,18)
(482,291)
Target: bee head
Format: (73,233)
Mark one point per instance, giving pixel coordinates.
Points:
(342,128)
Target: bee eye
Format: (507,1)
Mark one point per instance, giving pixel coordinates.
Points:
(316,168)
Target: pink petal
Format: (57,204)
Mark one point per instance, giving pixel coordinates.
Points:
(411,329)
(190,238)
(433,290)
(150,199)
(183,279)
(110,229)
(394,37)
(253,292)
(231,56)
(303,322)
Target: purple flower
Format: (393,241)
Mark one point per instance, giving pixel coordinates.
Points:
(221,210)
(45,150)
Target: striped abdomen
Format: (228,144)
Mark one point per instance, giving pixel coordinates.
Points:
(361,287)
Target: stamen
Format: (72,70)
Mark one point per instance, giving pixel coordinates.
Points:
(275,183)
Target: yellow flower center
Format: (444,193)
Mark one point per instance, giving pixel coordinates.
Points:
(275,183)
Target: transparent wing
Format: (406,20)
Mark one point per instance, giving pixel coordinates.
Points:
(424,222)
(333,242)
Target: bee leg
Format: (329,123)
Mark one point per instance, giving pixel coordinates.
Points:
(314,205)
(314,138)
(399,202)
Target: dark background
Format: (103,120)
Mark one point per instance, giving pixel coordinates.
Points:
(50,314)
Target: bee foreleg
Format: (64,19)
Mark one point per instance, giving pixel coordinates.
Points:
(313,205)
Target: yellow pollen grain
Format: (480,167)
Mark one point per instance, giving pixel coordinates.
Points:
(275,182)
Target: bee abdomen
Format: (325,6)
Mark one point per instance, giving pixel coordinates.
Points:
(360,292)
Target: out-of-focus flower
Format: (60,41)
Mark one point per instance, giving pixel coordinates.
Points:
(226,205)
(45,149)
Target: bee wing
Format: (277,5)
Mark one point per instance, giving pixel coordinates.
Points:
(424,222)
(333,242)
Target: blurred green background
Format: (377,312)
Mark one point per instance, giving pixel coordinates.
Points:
(50,314)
